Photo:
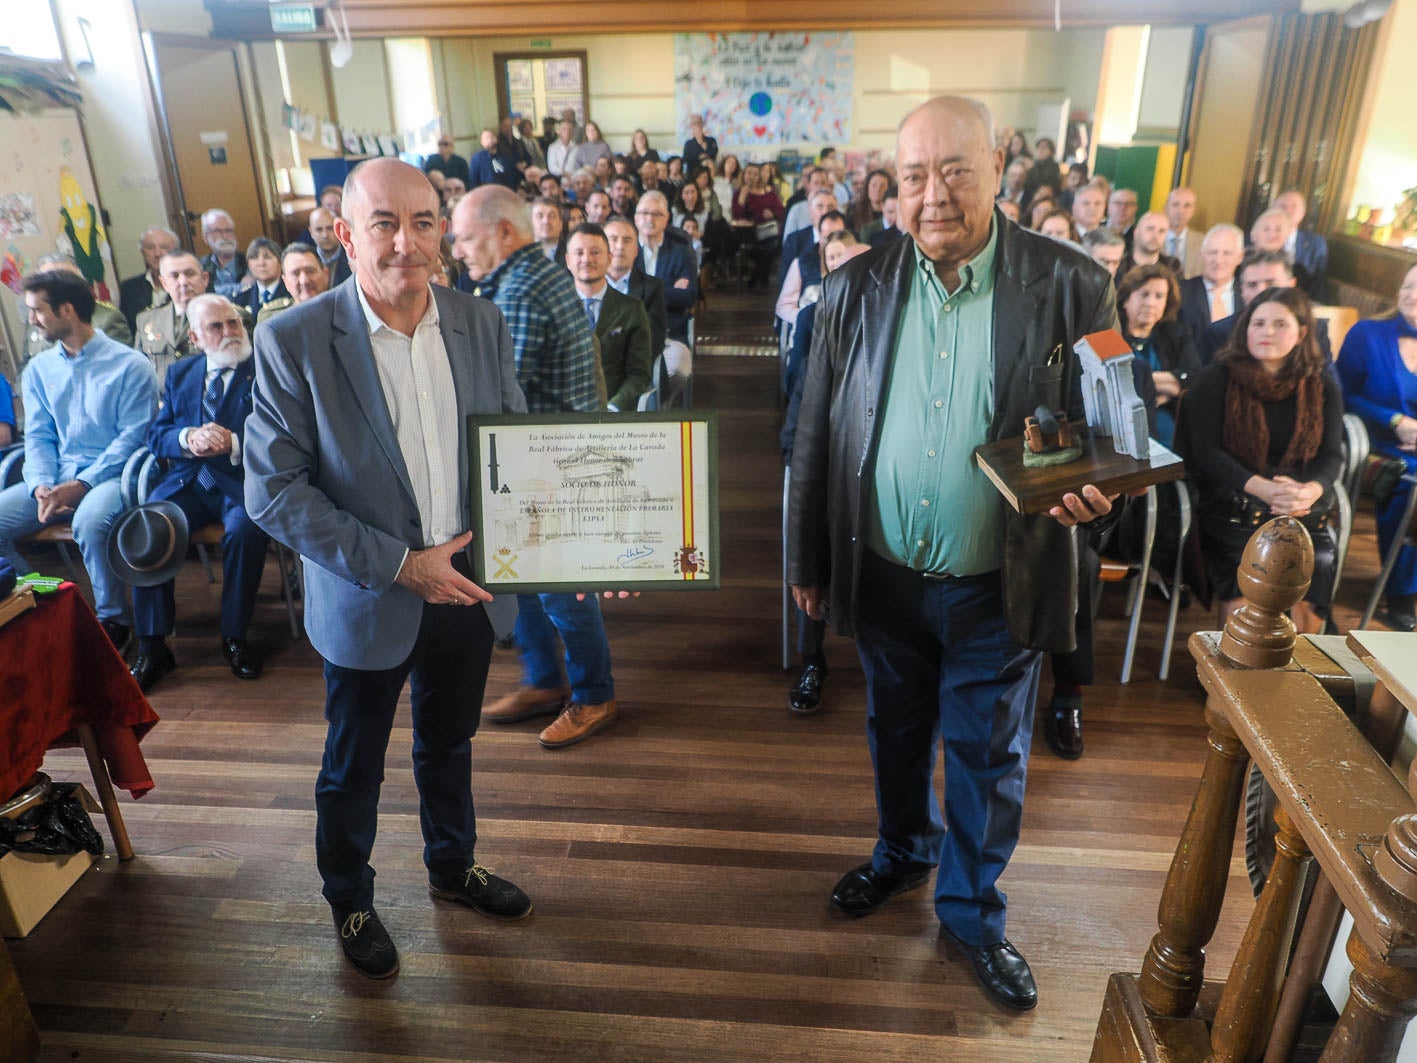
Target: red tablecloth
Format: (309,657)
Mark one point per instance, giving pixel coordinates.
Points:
(58,670)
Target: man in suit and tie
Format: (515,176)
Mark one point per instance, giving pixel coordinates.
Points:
(1215,294)
(673,263)
(263,260)
(199,432)
(356,456)
(626,277)
(1182,242)
(332,255)
(1309,250)
(620,322)
(138,293)
(163,333)
(1259,271)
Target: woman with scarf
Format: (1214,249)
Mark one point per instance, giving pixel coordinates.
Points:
(1262,432)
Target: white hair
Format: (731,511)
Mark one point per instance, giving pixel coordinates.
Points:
(655,196)
(212,215)
(151,229)
(493,204)
(199,305)
(1221,228)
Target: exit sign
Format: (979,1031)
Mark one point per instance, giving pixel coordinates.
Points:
(293,18)
(541,42)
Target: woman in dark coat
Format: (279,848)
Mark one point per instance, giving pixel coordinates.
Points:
(1148,305)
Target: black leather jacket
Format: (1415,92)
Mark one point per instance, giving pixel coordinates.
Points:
(1045,294)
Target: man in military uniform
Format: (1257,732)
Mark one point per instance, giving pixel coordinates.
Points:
(163,333)
(107,318)
(304,275)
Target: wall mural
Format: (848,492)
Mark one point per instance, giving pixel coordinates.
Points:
(765,88)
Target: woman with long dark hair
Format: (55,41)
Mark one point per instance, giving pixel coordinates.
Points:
(757,215)
(640,151)
(867,207)
(1262,435)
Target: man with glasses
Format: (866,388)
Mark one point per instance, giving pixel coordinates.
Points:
(447,163)
(225,265)
(163,332)
(673,264)
(198,432)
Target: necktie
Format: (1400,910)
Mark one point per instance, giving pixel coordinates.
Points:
(591,308)
(211,399)
(266,296)
(1217,304)
(1171,242)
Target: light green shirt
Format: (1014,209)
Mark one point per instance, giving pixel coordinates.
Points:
(935,510)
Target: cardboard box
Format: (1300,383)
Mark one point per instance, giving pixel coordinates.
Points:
(31,884)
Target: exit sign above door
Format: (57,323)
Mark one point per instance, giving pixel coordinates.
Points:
(293,18)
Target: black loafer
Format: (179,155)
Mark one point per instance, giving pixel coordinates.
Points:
(1001,970)
(366,943)
(1400,612)
(151,665)
(806,697)
(484,893)
(1062,730)
(864,889)
(244,663)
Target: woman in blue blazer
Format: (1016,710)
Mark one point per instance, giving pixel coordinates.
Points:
(1378,368)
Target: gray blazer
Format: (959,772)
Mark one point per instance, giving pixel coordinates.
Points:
(324,473)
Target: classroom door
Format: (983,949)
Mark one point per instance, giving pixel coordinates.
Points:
(202,108)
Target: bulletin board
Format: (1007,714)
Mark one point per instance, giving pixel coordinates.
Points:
(48,202)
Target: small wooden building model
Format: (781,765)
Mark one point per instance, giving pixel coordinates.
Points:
(1109,393)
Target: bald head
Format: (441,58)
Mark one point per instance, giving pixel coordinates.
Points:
(489,224)
(377,178)
(392,231)
(322,230)
(949,170)
(1150,234)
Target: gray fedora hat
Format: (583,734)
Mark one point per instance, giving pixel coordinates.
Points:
(148,545)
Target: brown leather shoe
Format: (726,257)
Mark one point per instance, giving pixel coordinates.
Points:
(525,703)
(578,721)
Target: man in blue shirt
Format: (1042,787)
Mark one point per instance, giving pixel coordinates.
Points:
(7,413)
(88,403)
(556,368)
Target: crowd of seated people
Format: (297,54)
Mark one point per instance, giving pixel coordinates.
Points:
(1238,373)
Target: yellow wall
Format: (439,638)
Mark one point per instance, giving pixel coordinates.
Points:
(1387,149)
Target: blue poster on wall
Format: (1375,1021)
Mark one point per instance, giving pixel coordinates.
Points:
(765,88)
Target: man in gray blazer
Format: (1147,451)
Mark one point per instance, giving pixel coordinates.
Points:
(356,457)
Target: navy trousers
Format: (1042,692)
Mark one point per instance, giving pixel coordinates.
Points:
(940,663)
(447,673)
(243,557)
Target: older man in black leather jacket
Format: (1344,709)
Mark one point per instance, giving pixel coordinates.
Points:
(922,351)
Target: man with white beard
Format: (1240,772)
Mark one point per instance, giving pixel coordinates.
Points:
(226,265)
(199,432)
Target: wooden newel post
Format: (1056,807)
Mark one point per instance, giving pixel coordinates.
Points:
(1381,1001)
(1273,576)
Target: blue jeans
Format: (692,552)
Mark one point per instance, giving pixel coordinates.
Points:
(548,622)
(91,521)
(940,662)
(447,672)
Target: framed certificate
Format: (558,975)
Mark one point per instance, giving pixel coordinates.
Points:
(593,502)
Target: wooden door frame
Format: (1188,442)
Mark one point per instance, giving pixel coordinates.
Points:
(499,76)
(172,176)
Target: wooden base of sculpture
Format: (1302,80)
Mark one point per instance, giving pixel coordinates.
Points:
(1037,489)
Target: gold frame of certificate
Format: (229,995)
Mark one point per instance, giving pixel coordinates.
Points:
(594,502)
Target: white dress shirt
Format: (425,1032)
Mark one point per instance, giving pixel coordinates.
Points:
(622,285)
(417,381)
(226,372)
(651,255)
(1227,298)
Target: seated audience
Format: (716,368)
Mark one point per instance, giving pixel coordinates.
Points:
(1059,225)
(88,403)
(225,265)
(1258,271)
(138,293)
(597,207)
(1104,247)
(1073,180)
(870,204)
(590,149)
(1148,301)
(199,432)
(805,696)
(558,154)
(1270,231)
(603,171)
(799,214)
(107,318)
(332,253)
(1148,237)
(263,260)
(626,277)
(700,145)
(819,205)
(547,229)
(803,281)
(1044,172)
(492,165)
(758,214)
(1262,435)
(690,205)
(1015,188)
(1088,206)
(304,275)
(1309,250)
(1182,242)
(649,178)
(640,151)
(445,161)
(620,322)
(672,263)
(1378,368)
(1215,294)
(623,197)
(550,187)
(163,334)
(1122,213)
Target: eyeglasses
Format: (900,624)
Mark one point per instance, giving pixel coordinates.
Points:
(650,214)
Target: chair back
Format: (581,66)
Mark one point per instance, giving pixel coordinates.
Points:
(1340,319)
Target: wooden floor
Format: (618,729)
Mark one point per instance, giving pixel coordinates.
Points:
(680,863)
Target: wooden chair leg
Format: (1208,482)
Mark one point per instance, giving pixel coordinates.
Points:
(107,798)
(206,563)
(1381,1001)
(1390,562)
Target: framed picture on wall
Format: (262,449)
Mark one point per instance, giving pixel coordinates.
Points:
(524,107)
(556,104)
(563,75)
(519,77)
